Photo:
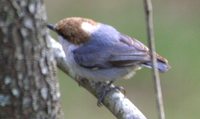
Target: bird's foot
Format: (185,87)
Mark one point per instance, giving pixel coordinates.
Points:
(106,89)
(121,89)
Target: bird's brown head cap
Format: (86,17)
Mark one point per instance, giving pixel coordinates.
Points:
(76,30)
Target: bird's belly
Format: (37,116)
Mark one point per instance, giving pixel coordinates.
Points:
(110,74)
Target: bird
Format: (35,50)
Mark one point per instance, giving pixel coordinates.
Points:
(99,52)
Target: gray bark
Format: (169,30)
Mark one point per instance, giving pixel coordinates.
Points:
(28,84)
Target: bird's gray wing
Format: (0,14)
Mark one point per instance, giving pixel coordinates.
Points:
(133,53)
(123,52)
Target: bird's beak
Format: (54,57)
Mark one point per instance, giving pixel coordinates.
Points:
(51,27)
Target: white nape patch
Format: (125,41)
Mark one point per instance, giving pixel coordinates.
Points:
(89,28)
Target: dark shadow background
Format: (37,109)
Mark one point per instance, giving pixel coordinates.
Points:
(177,33)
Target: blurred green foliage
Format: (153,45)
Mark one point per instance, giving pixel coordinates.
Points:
(177,33)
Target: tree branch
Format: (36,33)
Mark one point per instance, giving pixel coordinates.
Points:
(151,42)
(115,101)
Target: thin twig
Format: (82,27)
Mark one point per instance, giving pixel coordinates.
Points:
(115,101)
(150,33)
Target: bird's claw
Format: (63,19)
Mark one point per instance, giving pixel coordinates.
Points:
(105,90)
(121,89)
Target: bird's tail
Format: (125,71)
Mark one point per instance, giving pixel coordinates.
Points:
(162,64)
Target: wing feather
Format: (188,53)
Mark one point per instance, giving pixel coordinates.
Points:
(123,52)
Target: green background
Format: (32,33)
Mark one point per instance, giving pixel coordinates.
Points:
(177,34)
